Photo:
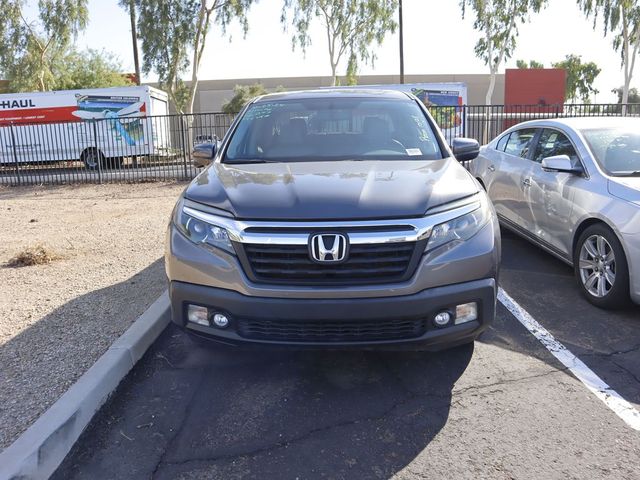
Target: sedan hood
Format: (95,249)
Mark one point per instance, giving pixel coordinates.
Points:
(626,188)
(331,190)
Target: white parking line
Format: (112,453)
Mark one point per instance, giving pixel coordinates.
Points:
(598,387)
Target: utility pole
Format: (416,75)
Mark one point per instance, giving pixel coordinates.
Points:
(134,39)
(401,43)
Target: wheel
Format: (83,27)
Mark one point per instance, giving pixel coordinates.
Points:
(92,158)
(601,267)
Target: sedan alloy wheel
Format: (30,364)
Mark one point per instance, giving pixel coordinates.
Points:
(601,267)
(597,266)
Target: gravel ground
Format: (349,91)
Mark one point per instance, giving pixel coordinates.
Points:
(57,319)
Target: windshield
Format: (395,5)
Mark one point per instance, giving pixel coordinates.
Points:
(617,150)
(321,129)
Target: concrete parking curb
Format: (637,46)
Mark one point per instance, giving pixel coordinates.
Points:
(42,447)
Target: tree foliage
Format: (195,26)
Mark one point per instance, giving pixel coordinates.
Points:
(497,21)
(70,70)
(173,35)
(31,47)
(243,94)
(351,26)
(621,18)
(633,96)
(580,77)
(90,69)
(523,65)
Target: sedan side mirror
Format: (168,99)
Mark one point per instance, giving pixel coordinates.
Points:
(465,149)
(560,163)
(203,154)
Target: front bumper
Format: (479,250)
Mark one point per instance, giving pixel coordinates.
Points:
(299,321)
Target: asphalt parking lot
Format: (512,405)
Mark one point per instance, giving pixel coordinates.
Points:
(503,408)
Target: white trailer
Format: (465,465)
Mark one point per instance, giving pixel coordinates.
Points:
(96,126)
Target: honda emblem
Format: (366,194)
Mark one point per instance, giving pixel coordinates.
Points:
(328,247)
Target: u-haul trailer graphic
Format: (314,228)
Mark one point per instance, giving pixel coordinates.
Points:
(93,125)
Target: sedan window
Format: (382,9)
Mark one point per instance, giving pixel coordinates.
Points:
(519,142)
(502,143)
(552,143)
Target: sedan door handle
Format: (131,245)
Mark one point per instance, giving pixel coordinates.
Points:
(526,182)
(491,168)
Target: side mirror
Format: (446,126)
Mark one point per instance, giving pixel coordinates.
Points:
(465,149)
(203,154)
(560,163)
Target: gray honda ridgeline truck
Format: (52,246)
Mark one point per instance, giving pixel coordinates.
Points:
(334,218)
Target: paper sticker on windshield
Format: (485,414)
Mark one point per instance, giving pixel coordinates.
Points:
(414,151)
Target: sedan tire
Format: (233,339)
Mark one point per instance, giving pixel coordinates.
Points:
(601,268)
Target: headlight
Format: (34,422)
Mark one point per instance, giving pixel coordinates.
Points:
(459,229)
(202,232)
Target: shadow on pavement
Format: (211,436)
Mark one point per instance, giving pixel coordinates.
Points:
(608,341)
(221,412)
(42,361)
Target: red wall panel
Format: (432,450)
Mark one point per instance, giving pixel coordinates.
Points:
(535,86)
(540,89)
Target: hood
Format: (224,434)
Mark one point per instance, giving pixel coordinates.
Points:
(331,190)
(626,188)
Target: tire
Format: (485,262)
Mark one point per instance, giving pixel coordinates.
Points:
(601,268)
(92,158)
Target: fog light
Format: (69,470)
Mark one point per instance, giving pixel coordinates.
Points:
(442,319)
(466,312)
(198,314)
(220,320)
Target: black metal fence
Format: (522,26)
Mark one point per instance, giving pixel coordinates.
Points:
(485,122)
(159,147)
(106,150)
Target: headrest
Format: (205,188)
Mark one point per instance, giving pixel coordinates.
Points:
(297,127)
(375,127)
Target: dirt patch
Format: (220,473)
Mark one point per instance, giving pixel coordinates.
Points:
(38,255)
(58,317)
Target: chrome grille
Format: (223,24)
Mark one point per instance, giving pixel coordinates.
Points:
(366,263)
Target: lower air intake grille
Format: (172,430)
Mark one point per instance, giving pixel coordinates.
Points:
(331,331)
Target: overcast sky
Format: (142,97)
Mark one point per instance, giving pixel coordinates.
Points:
(437,40)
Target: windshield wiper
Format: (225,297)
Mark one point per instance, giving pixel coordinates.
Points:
(634,173)
(241,161)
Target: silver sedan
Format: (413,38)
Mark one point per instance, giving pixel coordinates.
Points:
(572,187)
